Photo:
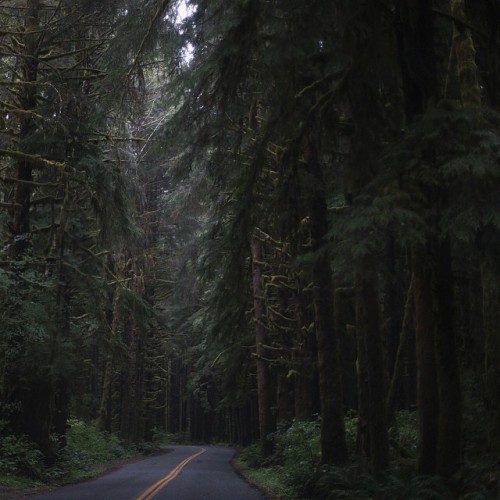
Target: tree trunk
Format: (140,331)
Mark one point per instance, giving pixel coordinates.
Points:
(363,441)
(368,330)
(285,384)
(439,397)
(263,376)
(427,395)
(305,353)
(449,447)
(106,407)
(333,439)
(285,398)
(490,279)
(27,126)
(401,353)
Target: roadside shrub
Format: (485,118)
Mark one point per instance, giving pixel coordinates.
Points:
(160,436)
(298,449)
(90,444)
(18,456)
(85,447)
(251,456)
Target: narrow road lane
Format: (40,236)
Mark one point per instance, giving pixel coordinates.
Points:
(183,473)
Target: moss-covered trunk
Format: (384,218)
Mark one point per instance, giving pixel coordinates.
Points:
(263,375)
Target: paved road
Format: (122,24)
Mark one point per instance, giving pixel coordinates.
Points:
(183,473)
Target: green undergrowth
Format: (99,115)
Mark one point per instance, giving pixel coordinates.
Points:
(294,470)
(87,453)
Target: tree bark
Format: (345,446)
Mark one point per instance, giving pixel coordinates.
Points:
(439,395)
(368,329)
(427,396)
(449,447)
(305,354)
(27,102)
(333,440)
(263,376)
(490,279)
(406,325)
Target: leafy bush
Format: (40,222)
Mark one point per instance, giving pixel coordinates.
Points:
(18,456)
(160,436)
(404,432)
(346,482)
(355,481)
(85,447)
(251,456)
(298,450)
(87,442)
(351,432)
(294,470)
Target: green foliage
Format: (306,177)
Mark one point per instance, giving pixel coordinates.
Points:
(294,464)
(160,436)
(19,457)
(251,456)
(347,482)
(85,448)
(270,478)
(295,471)
(93,445)
(298,450)
(404,432)
(355,481)
(351,433)
(446,167)
(107,189)
(448,150)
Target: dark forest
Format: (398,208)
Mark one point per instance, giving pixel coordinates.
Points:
(225,220)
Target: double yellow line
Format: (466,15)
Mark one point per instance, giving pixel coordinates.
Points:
(159,485)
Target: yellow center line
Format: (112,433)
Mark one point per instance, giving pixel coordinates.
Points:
(152,491)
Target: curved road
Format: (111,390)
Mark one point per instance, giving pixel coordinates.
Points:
(183,473)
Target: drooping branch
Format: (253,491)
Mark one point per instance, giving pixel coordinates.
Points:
(34,159)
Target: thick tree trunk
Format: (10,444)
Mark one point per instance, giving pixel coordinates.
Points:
(439,396)
(105,415)
(285,386)
(399,363)
(32,388)
(368,329)
(27,126)
(427,395)
(333,440)
(438,385)
(263,376)
(490,278)
(285,398)
(363,441)
(345,319)
(104,412)
(449,447)
(305,353)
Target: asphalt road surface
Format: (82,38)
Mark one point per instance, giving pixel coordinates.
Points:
(182,473)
